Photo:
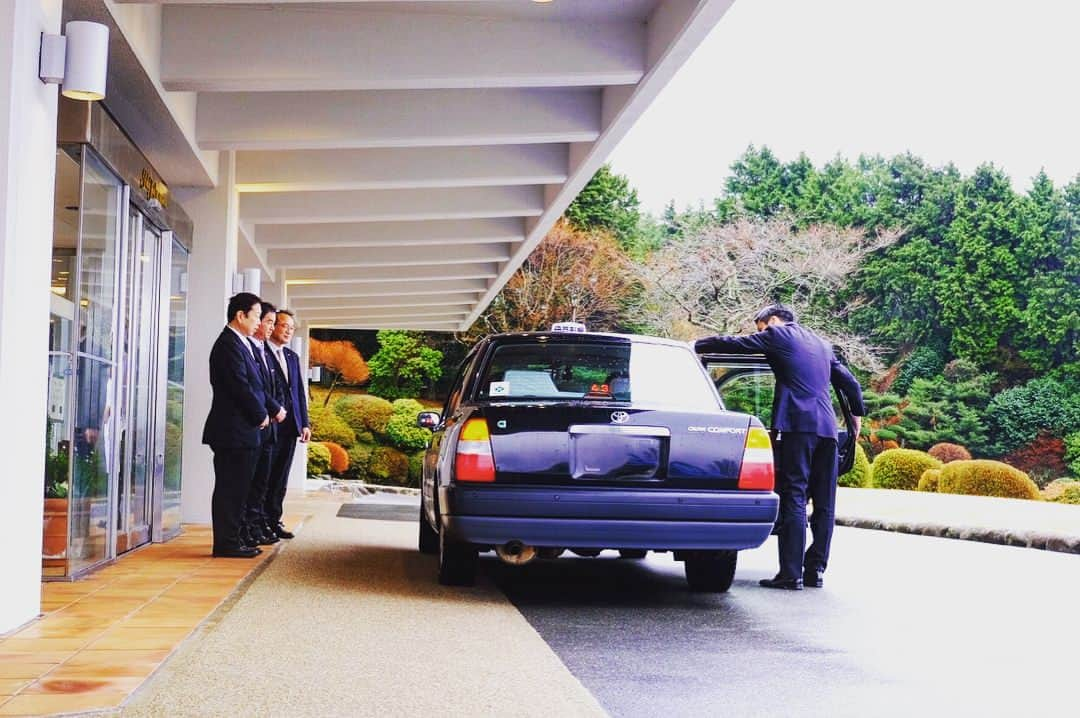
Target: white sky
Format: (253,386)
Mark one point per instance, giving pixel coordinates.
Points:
(949,80)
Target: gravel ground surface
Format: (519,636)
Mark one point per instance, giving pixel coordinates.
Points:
(348,620)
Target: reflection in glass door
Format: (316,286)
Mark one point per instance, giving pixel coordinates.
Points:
(139,445)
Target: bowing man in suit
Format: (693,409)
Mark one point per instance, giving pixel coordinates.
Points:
(286,364)
(255,530)
(236,422)
(804,425)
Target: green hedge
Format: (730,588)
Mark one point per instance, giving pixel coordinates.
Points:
(387,465)
(986,478)
(402,430)
(929,480)
(364,413)
(416,468)
(861,474)
(359,455)
(328,426)
(318,459)
(902,468)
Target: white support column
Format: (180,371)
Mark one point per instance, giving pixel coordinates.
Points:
(298,473)
(210,272)
(27,169)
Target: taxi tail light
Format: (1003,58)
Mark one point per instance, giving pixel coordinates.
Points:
(757,463)
(474,461)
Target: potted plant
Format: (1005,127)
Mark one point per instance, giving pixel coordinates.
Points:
(55,525)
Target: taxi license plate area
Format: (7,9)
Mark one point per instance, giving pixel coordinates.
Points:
(614,456)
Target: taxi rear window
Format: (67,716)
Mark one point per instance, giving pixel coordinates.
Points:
(645,374)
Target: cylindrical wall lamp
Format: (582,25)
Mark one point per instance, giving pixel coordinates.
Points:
(79,59)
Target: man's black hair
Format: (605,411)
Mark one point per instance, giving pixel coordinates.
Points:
(267,308)
(779,311)
(242,302)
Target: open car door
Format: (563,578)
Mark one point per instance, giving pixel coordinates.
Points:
(746,384)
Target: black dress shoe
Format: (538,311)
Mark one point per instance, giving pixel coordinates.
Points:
(263,539)
(788,584)
(237,552)
(814,579)
(281,532)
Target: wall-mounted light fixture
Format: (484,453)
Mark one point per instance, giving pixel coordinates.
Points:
(79,59)
(247,280)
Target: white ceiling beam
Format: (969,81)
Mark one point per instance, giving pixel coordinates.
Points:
(396,118)
(391,205)
(387,256)
(352,275)
(427,287)
(447,325)
(455,302)
(239,49)
(401,168)
(383,315)
(391,234)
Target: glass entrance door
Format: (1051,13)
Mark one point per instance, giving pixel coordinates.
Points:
(141,452)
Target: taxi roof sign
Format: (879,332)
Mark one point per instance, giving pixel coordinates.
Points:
(568,327)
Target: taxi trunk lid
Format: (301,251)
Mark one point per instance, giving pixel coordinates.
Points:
(608,444)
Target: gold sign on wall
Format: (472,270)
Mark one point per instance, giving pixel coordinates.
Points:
(152,189)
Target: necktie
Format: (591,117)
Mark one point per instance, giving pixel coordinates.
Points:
(280,354)
(260,357)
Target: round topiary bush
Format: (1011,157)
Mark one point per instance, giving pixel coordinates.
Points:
(946,452)
(364,412)
(388,466)
(1054,490)
(861,473)
(318,459)
(328,426)
(929,480)
(902,468)
(339,458)
(402,430)
(359,455)
(986,478)
(1070,494)
(416,468)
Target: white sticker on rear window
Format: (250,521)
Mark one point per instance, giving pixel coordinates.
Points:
(499,388)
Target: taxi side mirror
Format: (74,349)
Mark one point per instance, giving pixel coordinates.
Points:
(428,419)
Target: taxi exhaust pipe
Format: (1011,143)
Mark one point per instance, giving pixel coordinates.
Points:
(516,553)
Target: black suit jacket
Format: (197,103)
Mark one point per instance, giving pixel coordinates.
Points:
(804,365)
(295,398)
(239,402)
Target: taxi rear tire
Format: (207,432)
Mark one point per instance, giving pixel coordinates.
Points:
(710,571)
(428,541)
(457,562)
(632,553)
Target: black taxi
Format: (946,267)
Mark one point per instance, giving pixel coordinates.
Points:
(585,441)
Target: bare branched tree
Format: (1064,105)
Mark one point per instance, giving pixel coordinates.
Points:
(714,281)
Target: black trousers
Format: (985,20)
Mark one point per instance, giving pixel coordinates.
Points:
(806,468)
(280,464)
(260,480)
(233,471)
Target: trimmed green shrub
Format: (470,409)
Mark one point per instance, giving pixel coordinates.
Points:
(402,430)
(339,458)
(366,437)
(364,413)
(1017,415)
(946,452)
(861,474)
(328,426)
(923,363)
(1070,494)
(359,455)
(987,478)
(416,468)
(929,480)
(902,468)
(1072,453)
(388,466)
(1054,490)
(318,459)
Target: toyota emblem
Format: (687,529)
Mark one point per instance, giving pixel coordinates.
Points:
(620,417)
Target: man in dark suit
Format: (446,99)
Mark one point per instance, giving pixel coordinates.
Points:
(804,426)
(286,364)
(255,530)
(235,424)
